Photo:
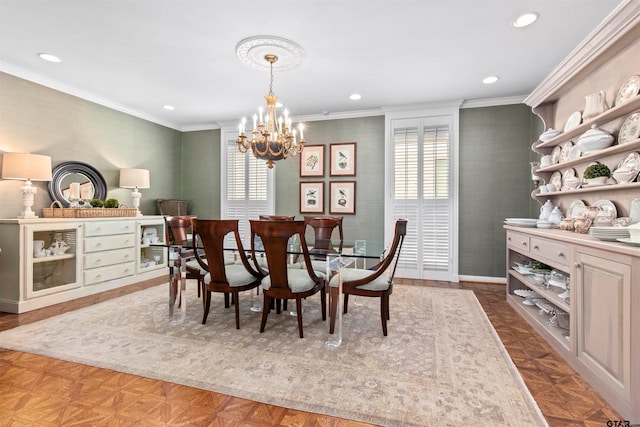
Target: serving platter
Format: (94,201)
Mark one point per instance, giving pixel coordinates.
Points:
(607,206)
(574,120)
(555,154)
(576,209)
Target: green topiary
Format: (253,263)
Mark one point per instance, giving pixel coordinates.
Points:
(96,203)
(111,203)
(596,170)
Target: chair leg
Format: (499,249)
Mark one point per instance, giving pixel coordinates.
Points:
(346,303)
(200,279)
(323,303)
(333,308)
(384,312)
(235,297)
(226,300)
(299,311)
(207,305)
(265,312)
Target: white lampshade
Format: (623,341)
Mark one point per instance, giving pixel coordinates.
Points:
(25,167)
(134,178)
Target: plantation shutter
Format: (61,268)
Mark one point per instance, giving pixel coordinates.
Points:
(421,193)
(247,190)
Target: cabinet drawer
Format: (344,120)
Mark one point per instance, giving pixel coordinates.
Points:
(95,244)
(104,258)
(103,274)
(104,228)
(550,250)
(517,241)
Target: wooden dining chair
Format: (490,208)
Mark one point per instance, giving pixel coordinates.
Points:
(283,282)
(230,279)
(178,230)
(323,230)
(375,282)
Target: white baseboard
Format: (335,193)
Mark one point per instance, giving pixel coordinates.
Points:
(483,279)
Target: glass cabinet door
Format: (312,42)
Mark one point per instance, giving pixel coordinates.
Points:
(52,258)
(153,253)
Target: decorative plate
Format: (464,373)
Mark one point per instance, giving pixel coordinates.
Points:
(555,155)
(526,293)
(574,120)
(630,129)
(576,209)
(607,206)
(556,180)
(564,154)
(574,153)
(628,90)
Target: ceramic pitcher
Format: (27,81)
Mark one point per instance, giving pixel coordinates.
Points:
(545,210)
(38,249)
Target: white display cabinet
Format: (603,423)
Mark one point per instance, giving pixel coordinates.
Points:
(150,234)
(93,255)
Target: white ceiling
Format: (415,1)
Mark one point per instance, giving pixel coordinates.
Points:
(136,55)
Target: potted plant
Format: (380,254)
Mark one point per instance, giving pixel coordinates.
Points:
(597,174)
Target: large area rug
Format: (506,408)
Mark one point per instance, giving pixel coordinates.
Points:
(442,363)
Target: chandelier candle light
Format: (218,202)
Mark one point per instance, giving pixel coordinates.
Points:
(272,137)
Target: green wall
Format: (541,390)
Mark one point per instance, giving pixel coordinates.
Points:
(495,183)
(494,163)
(40,120)
(201,176)
(368,134)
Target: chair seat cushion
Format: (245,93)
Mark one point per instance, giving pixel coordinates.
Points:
(381,283)
(299,280)
(237,275)
(194,266)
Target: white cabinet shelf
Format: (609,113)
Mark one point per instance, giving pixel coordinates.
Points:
(103,254)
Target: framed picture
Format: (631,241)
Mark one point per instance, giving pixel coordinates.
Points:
(342,196)
(343,159)
(312,197)
(312,161)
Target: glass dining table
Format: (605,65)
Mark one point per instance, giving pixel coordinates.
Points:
(354,254)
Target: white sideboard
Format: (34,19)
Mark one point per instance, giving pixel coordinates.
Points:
(603,339)
(101,254)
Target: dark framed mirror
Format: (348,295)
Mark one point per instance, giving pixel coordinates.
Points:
(92,183)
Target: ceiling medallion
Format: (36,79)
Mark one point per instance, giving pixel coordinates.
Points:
(253,50)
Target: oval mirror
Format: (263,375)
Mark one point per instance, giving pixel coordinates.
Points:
(92,183)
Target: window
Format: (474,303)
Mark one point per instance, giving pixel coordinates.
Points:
(420,180)
(247,186)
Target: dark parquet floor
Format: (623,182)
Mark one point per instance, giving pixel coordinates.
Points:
(39,391)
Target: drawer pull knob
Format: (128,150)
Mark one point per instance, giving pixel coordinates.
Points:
(524,244)
(560,254)
(98,261)
(577,265)
(536,248)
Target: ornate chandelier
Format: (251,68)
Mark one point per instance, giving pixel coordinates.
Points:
(272,137)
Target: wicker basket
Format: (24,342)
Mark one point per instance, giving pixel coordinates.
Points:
(59,211)
(105,212)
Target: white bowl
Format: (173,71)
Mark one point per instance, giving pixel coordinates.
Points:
(549,134)
(594,139)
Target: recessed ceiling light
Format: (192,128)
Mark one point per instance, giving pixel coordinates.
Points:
(168,107)
(49,57)
(490,79)
(355,96)
(525,19)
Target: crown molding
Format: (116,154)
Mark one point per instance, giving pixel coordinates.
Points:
(492,102)
(609,37)
(74,91)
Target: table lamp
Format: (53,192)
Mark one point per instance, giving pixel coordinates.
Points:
(134,178)
(26,167)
